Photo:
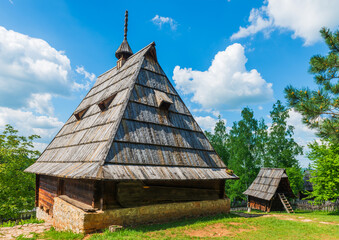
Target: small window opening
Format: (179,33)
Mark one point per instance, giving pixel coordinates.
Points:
(103,105)
(79,115)
(164,102)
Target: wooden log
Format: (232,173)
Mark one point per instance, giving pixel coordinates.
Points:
(137,194)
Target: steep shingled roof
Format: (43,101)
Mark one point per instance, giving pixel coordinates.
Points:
(133,138)
(266,183)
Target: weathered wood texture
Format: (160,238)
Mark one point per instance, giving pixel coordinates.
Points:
(266,184)
(48,188)
(79,189)
(134,138)
(259,204)
(132,194)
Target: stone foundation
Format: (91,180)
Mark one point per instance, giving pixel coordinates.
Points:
(69,217)
(41,214)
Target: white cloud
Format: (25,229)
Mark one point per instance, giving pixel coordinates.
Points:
(206,123)
(260,108)
(81,70)
(302,134)
(303,18)
(40,146)
(30,67)
(41,103)
(159,21)
(27,123)
(226,83)
(258,23)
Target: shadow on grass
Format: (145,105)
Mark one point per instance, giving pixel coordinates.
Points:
(248,215)
(181,223)
(336,213)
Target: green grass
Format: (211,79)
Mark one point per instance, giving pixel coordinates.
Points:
(260,226)
(21,222)
(52,234)
(238,228)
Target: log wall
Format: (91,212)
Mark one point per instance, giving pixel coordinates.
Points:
(132,194)
(112,194)
(48,187)
(79,189)
(259,204)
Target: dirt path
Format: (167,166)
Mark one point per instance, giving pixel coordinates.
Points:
(290,217)
(299,219)
(26,230)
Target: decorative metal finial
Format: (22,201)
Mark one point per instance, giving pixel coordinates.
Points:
(126,20)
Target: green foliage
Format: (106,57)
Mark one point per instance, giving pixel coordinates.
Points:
(250,145)
(241,146)
(21,222)
(325,176)
(295,177)
(281,147)
(16,186)
(218,140)
(320,108)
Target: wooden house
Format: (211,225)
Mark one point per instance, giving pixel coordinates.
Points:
(131,143)
(269,190)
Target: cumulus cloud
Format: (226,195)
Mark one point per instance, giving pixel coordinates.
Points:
(30,67)
(206,123)
(32,73)
(226,83)
(27,123)
(258,22)
(41,103)
(160,21)
(303,18)
(81,70)
(302,134)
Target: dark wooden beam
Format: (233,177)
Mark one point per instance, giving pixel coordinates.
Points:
(37,181)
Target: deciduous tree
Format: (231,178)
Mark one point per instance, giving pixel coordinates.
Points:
(16,186)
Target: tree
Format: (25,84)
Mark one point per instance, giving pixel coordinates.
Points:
(320,108)
(218,140)
(281,147)
(16,186)
(241,146)
(324,177)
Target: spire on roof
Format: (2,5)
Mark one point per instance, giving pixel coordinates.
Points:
(124,51)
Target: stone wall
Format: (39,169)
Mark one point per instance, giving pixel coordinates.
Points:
(69,217)
(41,214)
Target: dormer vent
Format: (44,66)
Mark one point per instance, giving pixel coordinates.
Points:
(80,114)
(163,101)
(103,105)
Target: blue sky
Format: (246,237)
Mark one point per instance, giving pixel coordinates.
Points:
(220,55)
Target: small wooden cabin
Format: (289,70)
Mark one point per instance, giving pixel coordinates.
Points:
(131,142)
(263,193)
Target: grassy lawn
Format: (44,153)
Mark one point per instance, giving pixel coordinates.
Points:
(302,225)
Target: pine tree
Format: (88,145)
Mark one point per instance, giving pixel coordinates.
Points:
(320,108)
